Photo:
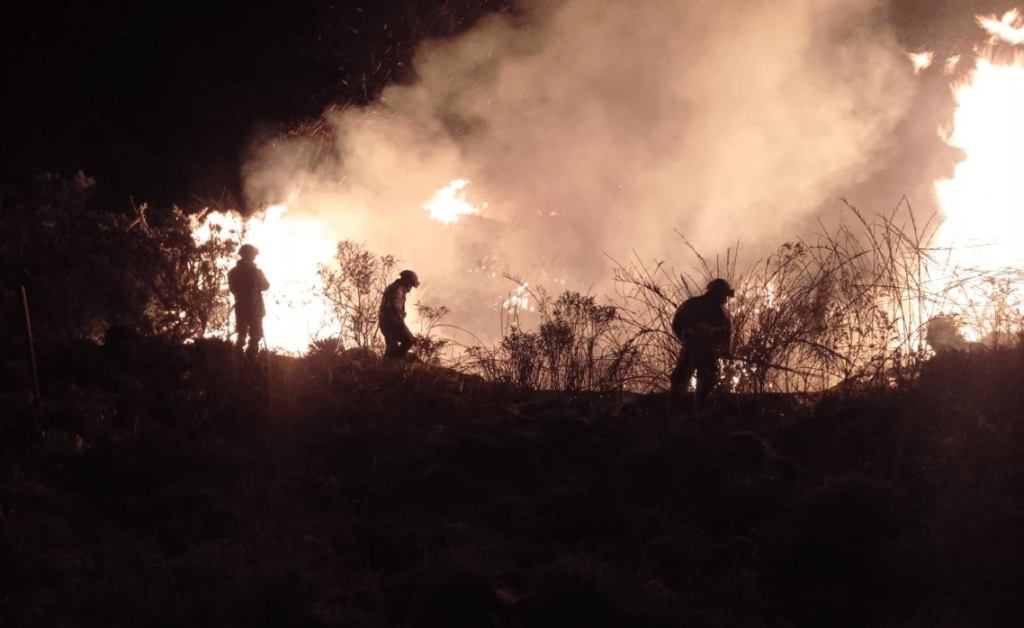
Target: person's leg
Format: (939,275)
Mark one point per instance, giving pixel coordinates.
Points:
(241,328)
(403,342)
(255,335)
(389,340)
(679,379)
(707,378)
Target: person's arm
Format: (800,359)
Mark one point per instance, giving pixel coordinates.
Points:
(680,322)
(722,334)
(261,281)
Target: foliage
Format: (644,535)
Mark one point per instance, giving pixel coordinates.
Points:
(374,496)
(842,309)
(852,306)
(575,346)
(647,299)
(86,270)
(188,282)
(354,285)
(863,303)
(429,347)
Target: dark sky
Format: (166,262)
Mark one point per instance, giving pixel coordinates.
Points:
(161,101)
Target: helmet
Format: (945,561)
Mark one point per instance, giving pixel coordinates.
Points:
(248,251)
(720,287)
(409,277)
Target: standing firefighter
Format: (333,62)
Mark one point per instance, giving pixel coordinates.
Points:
(397,337)
(704,327)
(247,284)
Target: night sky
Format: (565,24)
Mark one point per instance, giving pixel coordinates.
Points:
(163,103)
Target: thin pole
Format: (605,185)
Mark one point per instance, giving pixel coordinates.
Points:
(31,350)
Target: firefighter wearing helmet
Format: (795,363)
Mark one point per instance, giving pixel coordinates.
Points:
(704,327)
(397,337)
(247,284)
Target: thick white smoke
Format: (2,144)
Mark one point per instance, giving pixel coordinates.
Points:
(594,127)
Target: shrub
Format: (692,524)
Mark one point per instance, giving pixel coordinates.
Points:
(354,285)
(577,345)
(850,307)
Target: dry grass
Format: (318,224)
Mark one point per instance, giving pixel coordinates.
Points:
(577,345)
(851,307)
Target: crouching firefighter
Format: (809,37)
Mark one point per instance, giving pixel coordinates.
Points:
(247,284)
(705,329)
(397,337)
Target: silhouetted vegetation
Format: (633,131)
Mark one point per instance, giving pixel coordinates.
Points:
(86,270)
(163,483)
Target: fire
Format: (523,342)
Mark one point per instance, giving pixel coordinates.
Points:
(291,250)
(450,202)
(984,200)
(921,60)
(519,300)
(951,64)
(983,203)
(1009,29)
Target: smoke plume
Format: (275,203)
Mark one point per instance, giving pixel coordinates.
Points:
(596,128)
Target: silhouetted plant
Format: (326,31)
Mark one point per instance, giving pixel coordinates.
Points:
(188,282)
(354,284)
(646,299)
(428,347)
(86,270)
(852,306)
(576,346)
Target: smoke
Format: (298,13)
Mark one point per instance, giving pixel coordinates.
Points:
(596,128)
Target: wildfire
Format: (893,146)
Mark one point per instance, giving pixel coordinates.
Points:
(983,202)
(921,60)
(291,251)
(984,199)
(450,202)
(519,300)
(1009,29)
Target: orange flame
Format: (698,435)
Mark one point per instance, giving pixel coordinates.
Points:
(983,203)
(291,251)
(1009,29)
(921,60)
(450,202)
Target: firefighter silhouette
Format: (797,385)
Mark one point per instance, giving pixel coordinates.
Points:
(397,337)
(705,329)
(247,284)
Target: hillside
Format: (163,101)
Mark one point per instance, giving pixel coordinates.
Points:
(164,485)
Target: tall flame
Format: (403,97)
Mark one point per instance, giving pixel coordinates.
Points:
(291,250)
(921,60)
(983,203)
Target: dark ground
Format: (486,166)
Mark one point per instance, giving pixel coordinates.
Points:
(162,486)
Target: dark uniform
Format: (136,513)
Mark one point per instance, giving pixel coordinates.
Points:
(391,318)
(247,284)
(705,329)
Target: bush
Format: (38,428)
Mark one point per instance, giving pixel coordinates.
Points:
(85,270)
(576,347)
(354,284)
